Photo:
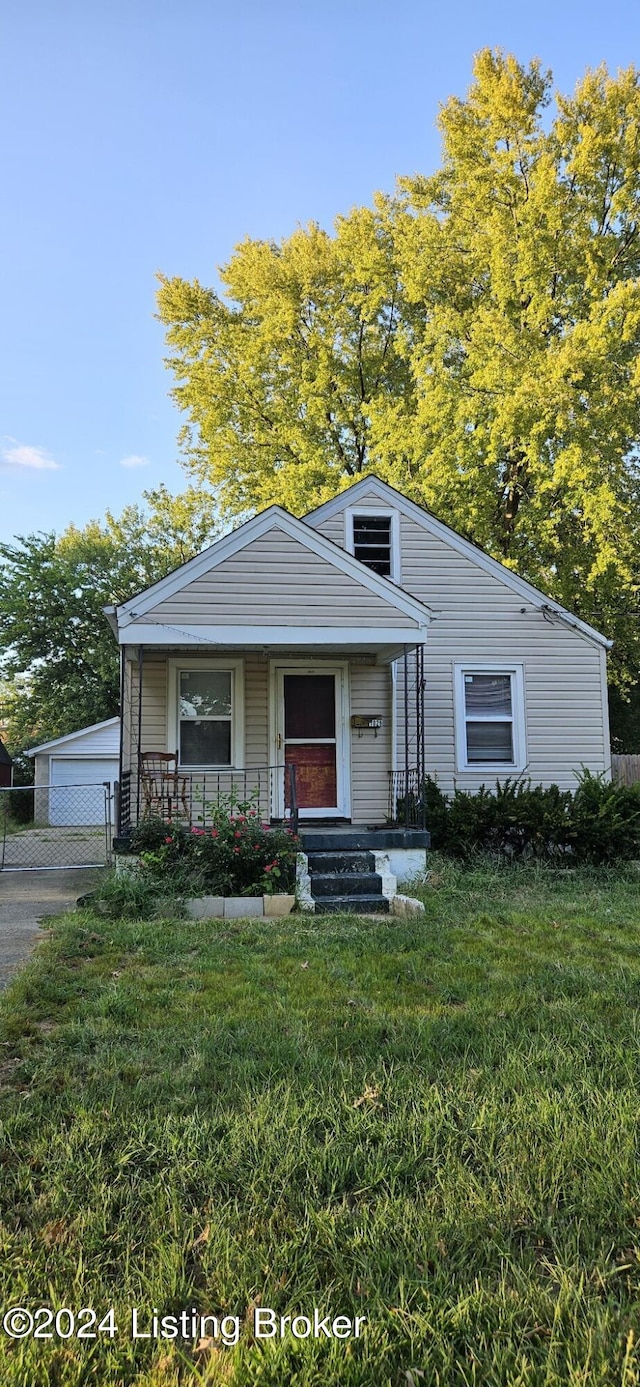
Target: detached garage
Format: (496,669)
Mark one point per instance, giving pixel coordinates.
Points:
(71,771)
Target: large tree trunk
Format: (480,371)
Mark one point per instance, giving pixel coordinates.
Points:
(512,490)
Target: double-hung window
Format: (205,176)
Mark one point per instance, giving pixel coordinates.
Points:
(207,713)
(490,729)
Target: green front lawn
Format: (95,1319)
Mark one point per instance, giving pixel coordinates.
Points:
(433,1124)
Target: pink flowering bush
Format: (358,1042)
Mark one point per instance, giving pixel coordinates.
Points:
(232,854)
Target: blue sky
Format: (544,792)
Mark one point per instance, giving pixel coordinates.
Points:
(139,136)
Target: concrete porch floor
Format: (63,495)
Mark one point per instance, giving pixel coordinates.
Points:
(360,838)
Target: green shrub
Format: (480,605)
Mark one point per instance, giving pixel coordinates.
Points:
(598,823)
(606,820)
(149,834)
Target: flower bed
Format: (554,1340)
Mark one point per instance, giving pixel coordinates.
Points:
(234,855)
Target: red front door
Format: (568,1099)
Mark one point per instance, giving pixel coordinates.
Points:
(310,741)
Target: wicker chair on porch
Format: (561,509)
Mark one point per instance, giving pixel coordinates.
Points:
(164,790)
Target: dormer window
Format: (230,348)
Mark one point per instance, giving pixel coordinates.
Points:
(372,537)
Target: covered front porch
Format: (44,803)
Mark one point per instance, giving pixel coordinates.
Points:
(311,737)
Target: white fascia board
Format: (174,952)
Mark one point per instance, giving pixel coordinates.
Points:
(389,496)
(273,518)
(155,633)
(110,613)
(71,737)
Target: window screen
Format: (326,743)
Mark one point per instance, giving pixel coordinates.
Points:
(372,542)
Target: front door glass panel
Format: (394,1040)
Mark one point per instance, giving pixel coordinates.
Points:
(309,705)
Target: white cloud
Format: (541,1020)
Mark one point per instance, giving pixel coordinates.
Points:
(22,455)
(134,460)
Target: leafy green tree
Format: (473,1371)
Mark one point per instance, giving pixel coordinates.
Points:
(473,339)
(60,668)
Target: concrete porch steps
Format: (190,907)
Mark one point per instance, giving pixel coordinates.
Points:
(352,905)
(346,881)
(340,862)
(346,884)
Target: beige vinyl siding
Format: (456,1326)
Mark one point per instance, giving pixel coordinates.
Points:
(155,734)
(273,581)
(481,619)
(370,754)
(478,618)
(333,527)
(256,718)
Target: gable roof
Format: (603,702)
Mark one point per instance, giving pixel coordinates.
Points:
(74,736)
(5,759)
(275,517)
(372,485)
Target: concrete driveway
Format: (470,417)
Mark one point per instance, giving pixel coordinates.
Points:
(26,898)
(55,847)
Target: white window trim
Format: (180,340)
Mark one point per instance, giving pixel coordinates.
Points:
(236,667)
(383,513)
(516,671)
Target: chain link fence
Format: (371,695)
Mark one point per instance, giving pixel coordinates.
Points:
(55,826)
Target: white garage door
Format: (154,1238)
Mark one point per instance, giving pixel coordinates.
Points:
(77,794)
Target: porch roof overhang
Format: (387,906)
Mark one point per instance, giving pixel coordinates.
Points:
(384,643)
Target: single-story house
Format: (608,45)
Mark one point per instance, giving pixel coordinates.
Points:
(327,663)
(70,773)
(6,768)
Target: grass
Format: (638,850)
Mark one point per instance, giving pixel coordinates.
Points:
(433,1124)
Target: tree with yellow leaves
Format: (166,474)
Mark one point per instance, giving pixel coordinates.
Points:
(473,339)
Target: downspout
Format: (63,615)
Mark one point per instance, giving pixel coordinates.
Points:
(422,766)
(394,716)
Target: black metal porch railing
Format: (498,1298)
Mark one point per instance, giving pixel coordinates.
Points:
(123,804)
(407,799)
(193,797)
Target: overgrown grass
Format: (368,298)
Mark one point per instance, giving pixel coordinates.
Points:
(432,1124)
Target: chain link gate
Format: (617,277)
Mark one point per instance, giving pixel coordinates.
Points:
(55,827)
